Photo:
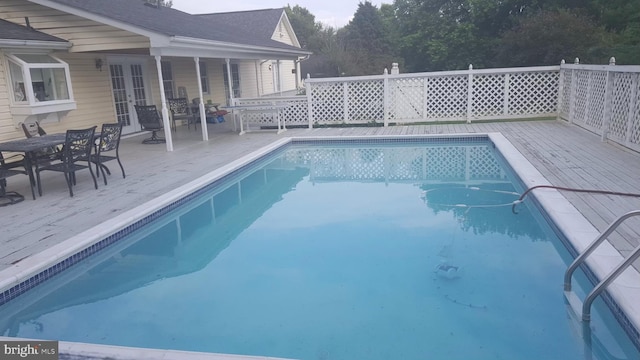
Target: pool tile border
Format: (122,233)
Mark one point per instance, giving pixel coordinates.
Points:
(52,262)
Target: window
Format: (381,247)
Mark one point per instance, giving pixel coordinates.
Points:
(235,74)
(167,79)
(38,79)
(204,78)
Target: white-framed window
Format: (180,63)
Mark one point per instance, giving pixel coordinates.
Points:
(204,78)
(167,80)
(39,80)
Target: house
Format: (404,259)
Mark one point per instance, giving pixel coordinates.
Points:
(75,64)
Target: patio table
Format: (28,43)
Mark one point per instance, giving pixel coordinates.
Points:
(30,146)
(276,108)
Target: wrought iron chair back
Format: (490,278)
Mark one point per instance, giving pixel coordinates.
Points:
(109,141)
(181,110)
(77,149)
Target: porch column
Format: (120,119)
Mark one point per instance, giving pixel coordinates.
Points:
(279,76)
(165,111)
(203,116)
(231,99)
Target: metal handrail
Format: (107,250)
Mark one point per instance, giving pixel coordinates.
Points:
(586,307)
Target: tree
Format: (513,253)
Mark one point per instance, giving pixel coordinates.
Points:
(305,26)
(165,3)
(366,41)
(547,37)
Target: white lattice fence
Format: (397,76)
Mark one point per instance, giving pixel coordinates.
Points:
(604,99)
(295,113)
(446,97)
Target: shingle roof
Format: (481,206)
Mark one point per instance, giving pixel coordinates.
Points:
(171,22)
(261,23)
(11,31)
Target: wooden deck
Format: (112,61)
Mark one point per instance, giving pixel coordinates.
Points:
(566,155)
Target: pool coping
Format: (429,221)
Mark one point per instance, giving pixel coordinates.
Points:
(573,225)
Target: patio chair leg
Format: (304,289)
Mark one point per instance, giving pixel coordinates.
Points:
(104,175)
(121,168)
(68,177)
(38,182)
(93,176)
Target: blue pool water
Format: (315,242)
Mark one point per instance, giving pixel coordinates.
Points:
(334,252)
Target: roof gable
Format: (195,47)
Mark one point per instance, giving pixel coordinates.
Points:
(165,21)
(263,23)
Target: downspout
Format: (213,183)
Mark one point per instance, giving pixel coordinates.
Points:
(258,80)
(262,75)
(279,77)
(165,111)
(298,77)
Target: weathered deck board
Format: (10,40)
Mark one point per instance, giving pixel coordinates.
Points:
(566,155)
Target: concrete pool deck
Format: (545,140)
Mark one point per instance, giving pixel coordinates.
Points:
(565,155)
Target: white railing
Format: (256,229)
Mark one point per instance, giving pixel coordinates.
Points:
(604,99)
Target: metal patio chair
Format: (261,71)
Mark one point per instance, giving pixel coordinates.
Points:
(77,150)
(109,142)
(181,110)
(7,170)
(150,120)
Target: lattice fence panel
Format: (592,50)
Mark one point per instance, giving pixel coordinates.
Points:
(365,101)
(581,92)
(447,97)
(532,93)
(488,95)
(406,99)
(260,119)
(595,109)
(634,136)
(327,102)
(566,94)
(621,98)
(297,113)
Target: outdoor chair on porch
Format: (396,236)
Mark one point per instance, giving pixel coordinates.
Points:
(33,129)
(150,120)
(7,170)
(77,150)
(109,141)
(181,110)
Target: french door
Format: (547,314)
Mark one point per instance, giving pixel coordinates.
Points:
(128,84)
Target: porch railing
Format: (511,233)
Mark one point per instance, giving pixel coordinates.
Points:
(604,99)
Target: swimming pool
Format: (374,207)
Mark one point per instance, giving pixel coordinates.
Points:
(417,235)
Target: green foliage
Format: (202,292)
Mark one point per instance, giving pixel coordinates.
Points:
(547,36)
(432,35)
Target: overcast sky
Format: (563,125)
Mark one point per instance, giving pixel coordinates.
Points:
(336,13)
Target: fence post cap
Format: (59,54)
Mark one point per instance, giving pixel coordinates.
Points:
(576,61)
(470,66)
(562,62)
(612,61)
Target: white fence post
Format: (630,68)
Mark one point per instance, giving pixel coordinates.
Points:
(385,95)
(345,102)
(469,94)
(560,90)
(632,106)
(608,99)
(505,105)
(307,87)
(572,94)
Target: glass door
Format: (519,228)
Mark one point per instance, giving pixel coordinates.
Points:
(128,86)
